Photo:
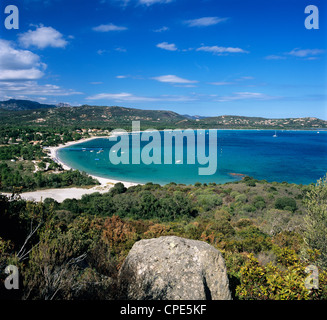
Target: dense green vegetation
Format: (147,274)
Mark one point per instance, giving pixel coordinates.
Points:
(18,137)
(25,164)
(118,117)
(79,245)
(25,151)
(18,179)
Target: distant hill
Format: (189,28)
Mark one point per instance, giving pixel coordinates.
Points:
(193,117)
(91,116)
(263,123)
(29,113)
(18,105)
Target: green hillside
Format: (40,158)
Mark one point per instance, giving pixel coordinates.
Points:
(34,114)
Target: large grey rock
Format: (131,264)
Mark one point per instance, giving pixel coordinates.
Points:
(173,268)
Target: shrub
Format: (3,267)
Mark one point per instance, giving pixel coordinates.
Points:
(250,183)
(253,240)
(233,194)
(243,223)
(118,188)
(259,198)
(285,203)
(272,189)
(275,282)
(248,208)
(209,201)
(260,204)
(241,198)
(315,228)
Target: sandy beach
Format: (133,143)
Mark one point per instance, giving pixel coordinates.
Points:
(71,193)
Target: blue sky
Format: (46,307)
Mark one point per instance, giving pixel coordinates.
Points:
(198,57)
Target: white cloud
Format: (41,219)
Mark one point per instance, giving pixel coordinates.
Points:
(32,88)
(221,50)
(245,78)
(167,46)
(246,96)
(108,27)
(119,49)
(205,21)
(275,57)
(124,96)
(162,29)
(16,64)
(100,52)
(151,2)
(176,98)
(125,3)
(29,74)
(304,53)
(19,70)
(185,86)
(129,97)
(42,37)
(221,83)
(173,79)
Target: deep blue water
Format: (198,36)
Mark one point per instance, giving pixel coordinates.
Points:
(292,156)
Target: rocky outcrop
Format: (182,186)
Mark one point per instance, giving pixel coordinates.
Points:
(173,268)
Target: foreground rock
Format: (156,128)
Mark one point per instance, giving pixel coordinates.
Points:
(173,268)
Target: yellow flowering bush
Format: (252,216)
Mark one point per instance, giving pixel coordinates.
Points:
(286,280)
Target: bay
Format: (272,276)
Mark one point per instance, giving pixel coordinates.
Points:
(293,156)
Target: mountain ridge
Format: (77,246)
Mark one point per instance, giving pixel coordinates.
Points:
(34,113)
(19,105)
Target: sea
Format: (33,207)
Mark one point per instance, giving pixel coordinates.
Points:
(291,156)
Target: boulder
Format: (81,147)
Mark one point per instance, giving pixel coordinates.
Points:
(174,268)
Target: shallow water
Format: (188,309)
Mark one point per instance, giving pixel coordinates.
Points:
(292,156)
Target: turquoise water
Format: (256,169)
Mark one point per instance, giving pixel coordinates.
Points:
(292,156)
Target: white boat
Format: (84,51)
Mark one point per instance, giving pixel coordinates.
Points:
(275,135)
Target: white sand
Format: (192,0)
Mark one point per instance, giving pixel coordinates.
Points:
(70,193)
(60,194)
(105,182)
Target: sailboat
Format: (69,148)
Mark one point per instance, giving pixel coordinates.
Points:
(275,135)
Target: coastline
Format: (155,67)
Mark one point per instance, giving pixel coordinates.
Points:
(61,194)
(104,182)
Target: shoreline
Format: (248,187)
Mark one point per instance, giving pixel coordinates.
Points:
(61,194)
(104,182)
